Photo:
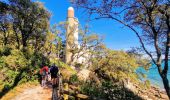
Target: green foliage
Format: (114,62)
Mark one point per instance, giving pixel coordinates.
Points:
(116,91)
(7,86)
(38,59)
(115,64)
(109,90)
(26,43)
(147,84)
(8,78)
(2,63)
(5,51)
(65,70)
(24,47)
(16,60)
(64,66)
(78,65)
(74,79)
(91,89)
(18,68)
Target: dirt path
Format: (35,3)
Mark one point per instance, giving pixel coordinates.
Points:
(36,93)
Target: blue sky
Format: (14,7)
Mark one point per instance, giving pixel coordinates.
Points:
(116,36)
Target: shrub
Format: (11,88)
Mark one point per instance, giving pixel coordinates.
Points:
(109,90)
(91,89)
(16,68)
(5,51)
(147,84)
(16,60)
(73,79)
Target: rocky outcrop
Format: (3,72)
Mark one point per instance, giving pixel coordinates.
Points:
(152,93)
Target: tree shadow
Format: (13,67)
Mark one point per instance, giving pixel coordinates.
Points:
(17,79)
(119,94)
(130,95)
(108,91)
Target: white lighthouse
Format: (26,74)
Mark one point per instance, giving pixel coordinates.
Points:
(71,35)
(82,56)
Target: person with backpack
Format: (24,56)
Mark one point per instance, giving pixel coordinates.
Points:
(44,75)
(54,74)
(49,74)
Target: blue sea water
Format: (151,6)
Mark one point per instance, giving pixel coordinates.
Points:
(154,77)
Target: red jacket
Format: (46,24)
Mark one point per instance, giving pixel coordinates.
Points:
(44,68)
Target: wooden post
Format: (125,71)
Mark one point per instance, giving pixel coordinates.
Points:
(65,96)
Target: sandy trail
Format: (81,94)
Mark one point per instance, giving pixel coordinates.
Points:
(35,93)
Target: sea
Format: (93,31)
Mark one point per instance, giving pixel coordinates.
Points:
(154,77)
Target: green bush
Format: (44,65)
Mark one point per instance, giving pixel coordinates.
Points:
(16,60)
(108,90)
(73,79)
(147,84)
(7,86)
(5,51)
(91,89)
(2,62)
(17,68)
(38,59)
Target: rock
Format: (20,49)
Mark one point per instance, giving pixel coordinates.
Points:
(83,74)
(73,87)
(152,93)
(163,96)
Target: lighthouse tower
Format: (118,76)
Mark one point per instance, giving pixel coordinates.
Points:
(71,35)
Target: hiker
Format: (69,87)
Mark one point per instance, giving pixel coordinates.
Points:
(49,75)
(44,73)
(54,74)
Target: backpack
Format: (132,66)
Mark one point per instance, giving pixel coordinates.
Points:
(54,70)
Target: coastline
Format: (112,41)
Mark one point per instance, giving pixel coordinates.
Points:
(151,93)
(154,77)
(157,92)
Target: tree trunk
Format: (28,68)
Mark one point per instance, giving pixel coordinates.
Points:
(163,75)
(17,39)
(166,85)
(5,40)
(24,43)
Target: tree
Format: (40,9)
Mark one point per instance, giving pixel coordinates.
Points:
(30,19)
(24,26)
(5,28)
(88,42)
(151,16)
(3,7)
(116,65)
(5,23)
